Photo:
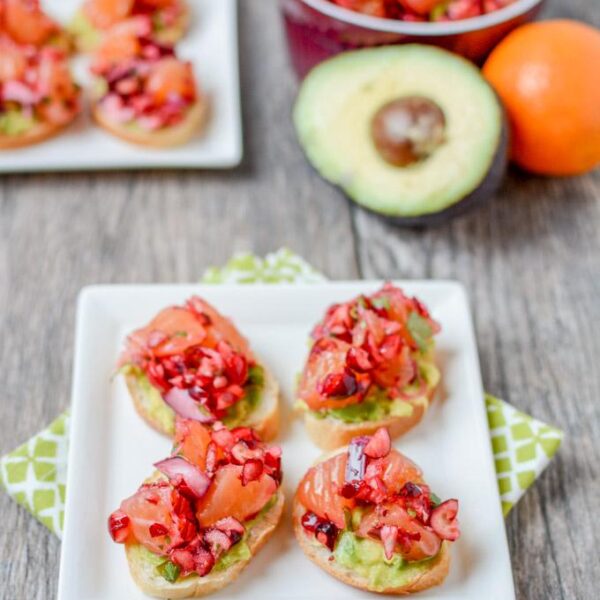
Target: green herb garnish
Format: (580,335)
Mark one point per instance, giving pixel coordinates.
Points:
(169,570)
(420,330)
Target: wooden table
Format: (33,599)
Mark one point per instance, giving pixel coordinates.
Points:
(530,260)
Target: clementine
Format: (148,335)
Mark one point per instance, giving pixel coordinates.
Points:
(548,77)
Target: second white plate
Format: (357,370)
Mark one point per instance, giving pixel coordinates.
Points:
(212,46)
(112,449)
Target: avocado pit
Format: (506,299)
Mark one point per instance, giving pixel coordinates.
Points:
(408,130)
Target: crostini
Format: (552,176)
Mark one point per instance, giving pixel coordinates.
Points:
(193,527)
(365,515)
(38,97)
(24,22)
(371,365)
(169,19)
(191,361)
(142,92)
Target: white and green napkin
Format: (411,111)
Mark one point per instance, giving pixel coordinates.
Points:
(35,473)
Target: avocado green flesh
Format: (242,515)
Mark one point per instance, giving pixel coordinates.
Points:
(14,122)
(366,559)
(159,411)
(88,37)
(339,98)
(377,406)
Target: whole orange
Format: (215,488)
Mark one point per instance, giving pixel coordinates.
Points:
(548,76)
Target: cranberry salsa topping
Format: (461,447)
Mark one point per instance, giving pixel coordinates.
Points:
(36,83)
(379,503)
(144,82)
(424,10)
(196,359)
(368,345)
(212,486)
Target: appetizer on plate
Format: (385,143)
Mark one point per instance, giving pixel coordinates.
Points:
(193,527)
(26,23)
(192,361)
(365,515)
(38,97)
(371,365)
(143,93)
(169,19)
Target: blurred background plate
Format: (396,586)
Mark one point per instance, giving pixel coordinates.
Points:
(212,45)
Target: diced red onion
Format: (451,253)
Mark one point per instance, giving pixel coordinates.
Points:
(181,471)
(389,535)
(356,462)
(185,406)
(379,445)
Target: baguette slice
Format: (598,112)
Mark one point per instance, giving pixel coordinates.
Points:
(329,433)
(319,554)
(150,582)
(264,418)
(40,132)
(175,135)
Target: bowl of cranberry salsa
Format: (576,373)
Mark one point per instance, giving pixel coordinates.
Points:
(318,29)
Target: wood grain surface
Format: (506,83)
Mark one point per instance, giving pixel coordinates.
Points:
(530,260)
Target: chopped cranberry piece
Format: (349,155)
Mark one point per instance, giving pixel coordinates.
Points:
(224,438)
(251,470)
(218,541)
(406,539)
(211,457)
(118,526)
(379,445)
(157,530)
(325,531)
(242,453)
(416,497)
(444,521)
(340,385)
(231,526)
(359,360)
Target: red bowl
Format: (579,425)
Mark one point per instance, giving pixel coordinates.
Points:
(318,29)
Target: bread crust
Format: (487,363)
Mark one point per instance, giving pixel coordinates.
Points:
(175,135)
(319,554)
(40,132)
(265,419)
(330,433)
(195,586)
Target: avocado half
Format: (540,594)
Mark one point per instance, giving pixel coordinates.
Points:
(445,146)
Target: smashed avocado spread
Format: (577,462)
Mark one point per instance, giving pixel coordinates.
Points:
(155,406)
(366,559)
(377,405)
(14,122)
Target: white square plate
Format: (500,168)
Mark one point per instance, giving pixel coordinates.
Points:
(211,44)
(112,449)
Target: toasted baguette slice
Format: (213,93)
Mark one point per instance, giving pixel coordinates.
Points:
(145,575)
(175,135)
(329,433)
(320,555)
(40,132)
(264,418)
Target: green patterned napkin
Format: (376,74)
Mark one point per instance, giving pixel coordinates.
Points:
(35,473)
